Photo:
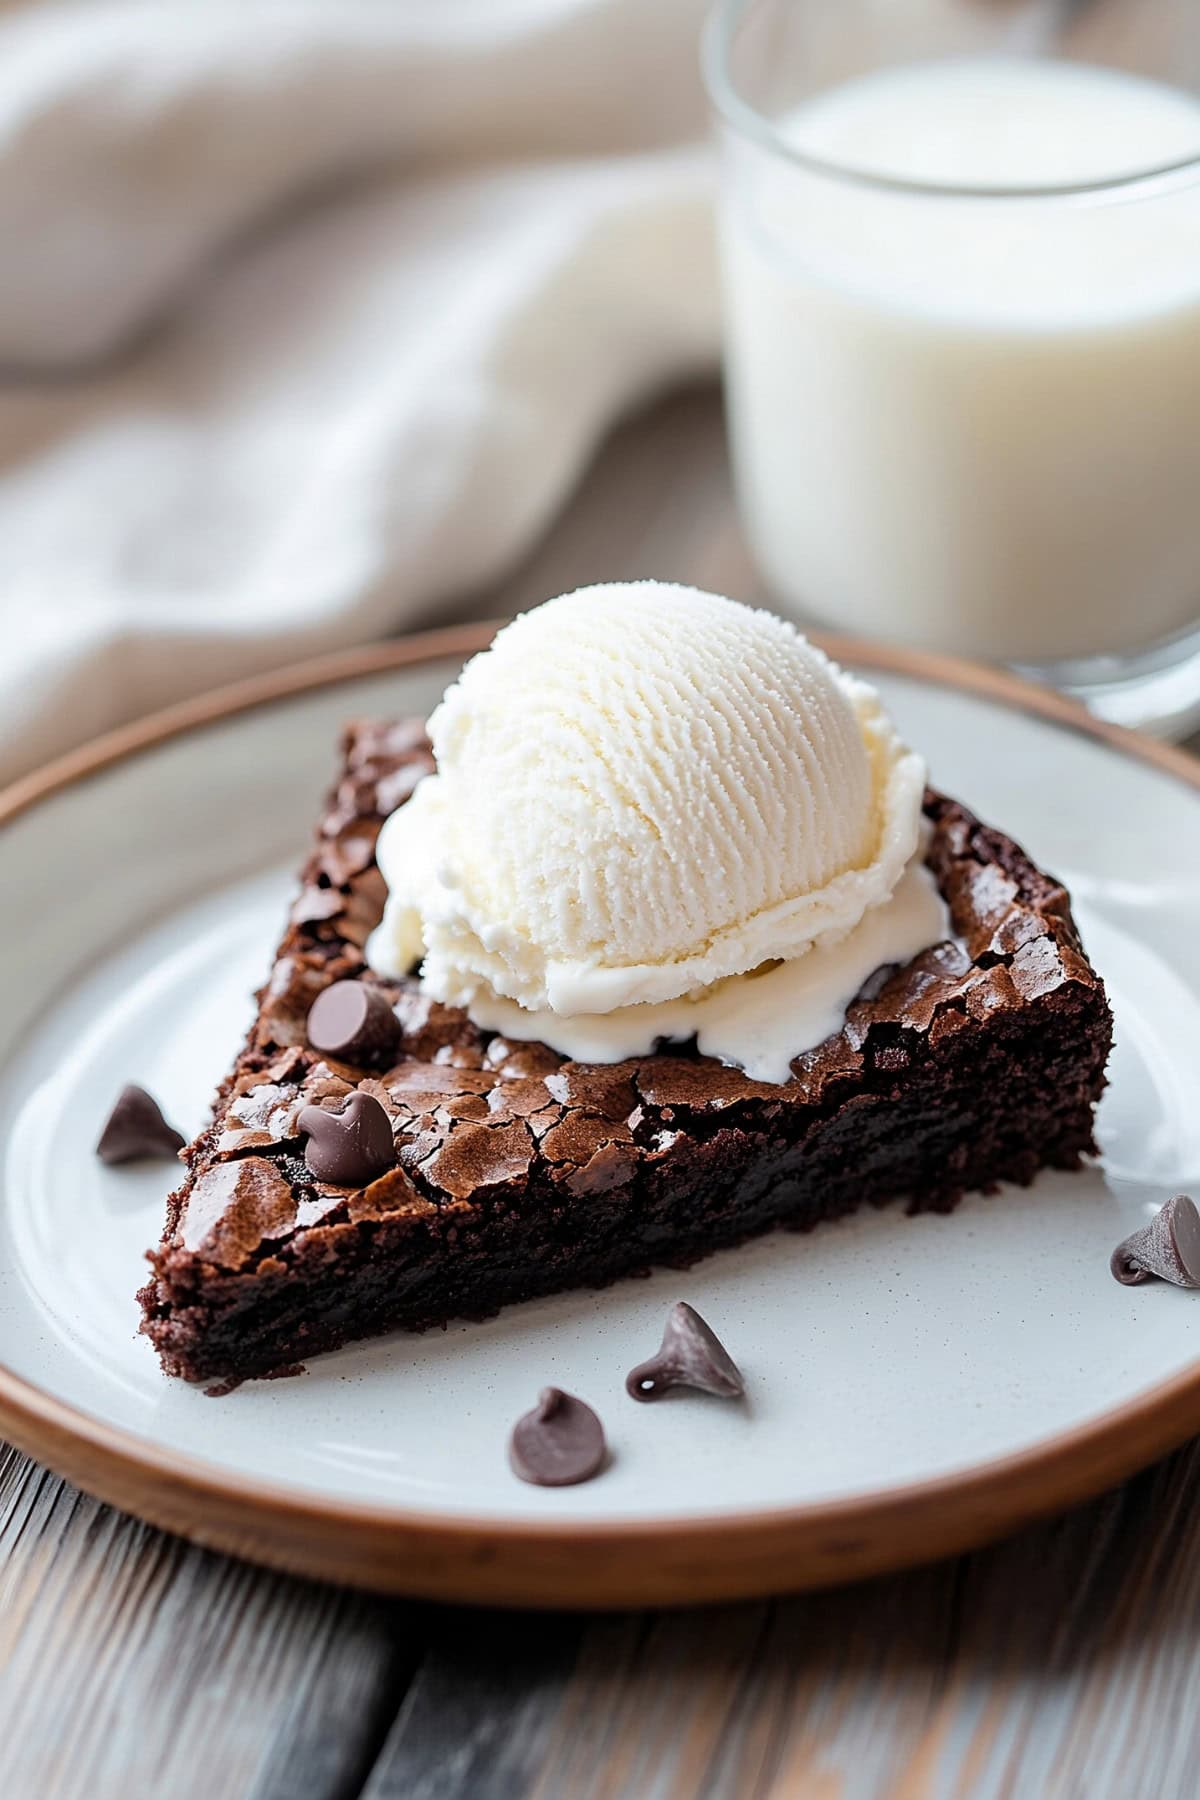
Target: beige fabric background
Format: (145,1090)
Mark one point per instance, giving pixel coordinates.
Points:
(311,314)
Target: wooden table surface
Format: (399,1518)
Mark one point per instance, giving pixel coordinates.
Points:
(1065,1662)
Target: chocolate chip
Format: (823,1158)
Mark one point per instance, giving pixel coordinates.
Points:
(349,1146)
(691,1355)
(135,1128)
(1169,1246)
(353,1021)
(559,1443)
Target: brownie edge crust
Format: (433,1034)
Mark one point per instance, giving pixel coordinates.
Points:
(522,1173)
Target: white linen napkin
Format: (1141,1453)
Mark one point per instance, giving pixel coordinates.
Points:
(311,314)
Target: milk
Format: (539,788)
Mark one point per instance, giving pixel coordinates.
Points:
(973,423)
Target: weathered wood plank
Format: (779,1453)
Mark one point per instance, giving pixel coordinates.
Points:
(478,1714)
(737,1700)
(132,1663)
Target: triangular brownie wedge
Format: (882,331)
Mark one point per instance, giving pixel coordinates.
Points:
(520,1173)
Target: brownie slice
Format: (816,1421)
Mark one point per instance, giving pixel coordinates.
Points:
(522,1173)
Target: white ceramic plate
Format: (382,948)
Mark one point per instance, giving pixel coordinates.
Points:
(887,1358)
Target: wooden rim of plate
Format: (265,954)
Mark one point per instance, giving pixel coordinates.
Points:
(581,1562)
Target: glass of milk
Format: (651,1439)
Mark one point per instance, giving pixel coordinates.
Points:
(961,260)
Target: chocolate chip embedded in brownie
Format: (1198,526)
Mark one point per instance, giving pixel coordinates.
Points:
(519,1172)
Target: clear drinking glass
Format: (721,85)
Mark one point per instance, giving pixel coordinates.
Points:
(960,247)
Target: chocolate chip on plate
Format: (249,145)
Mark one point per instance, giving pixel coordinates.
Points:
(353,1021)
(559,1443)
(136,1128)
(1169,1246)
(351,1145)
(691,1355)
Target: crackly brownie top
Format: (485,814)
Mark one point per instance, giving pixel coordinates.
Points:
(476,1115)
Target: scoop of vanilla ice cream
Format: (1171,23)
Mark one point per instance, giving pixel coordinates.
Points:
(642,789)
